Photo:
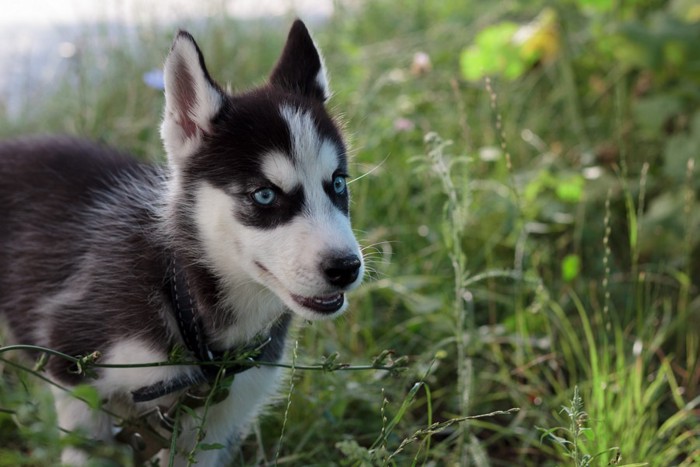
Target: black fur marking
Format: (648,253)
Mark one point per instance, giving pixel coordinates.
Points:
(285,208)
(246,127)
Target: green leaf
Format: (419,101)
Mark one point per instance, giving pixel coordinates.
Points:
(588,433)
(563,442)
(189,411)
(493,53)
(87,394)
(570,267)
(571,190)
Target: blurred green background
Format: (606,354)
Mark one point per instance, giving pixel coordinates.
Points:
(526,194)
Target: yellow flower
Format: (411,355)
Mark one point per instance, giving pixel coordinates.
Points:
(539,39)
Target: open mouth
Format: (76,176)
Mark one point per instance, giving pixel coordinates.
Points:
(322,304)
(326,304)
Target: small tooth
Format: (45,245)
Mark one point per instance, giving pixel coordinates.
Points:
(326,300)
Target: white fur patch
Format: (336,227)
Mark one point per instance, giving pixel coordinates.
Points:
(74,414)
(232,259)
(322,82)
(125,380)
(305,139)
(280,170)
(231,418)
(316,161)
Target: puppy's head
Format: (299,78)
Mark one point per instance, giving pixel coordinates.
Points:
(259,178)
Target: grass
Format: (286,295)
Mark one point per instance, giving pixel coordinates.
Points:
(524,239)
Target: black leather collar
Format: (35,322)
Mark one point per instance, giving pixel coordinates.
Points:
(189,323)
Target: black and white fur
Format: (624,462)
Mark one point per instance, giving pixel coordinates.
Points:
(252,202)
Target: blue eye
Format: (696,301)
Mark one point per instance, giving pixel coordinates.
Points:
(264,196)
(339,184)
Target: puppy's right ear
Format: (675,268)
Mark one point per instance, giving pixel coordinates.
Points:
(192,99)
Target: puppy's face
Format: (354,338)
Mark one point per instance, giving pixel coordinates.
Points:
(266,175)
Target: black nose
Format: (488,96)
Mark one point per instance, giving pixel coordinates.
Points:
(342,271)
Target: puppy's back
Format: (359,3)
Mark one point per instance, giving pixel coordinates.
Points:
(73,215)
(56,169)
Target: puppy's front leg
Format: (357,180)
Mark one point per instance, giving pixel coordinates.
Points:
(227,422)
(75,415)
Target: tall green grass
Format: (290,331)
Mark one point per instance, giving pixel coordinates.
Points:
(509,259)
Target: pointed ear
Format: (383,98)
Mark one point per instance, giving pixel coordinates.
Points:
(300,69)
(192,99)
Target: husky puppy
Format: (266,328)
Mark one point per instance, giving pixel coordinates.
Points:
(245,226)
